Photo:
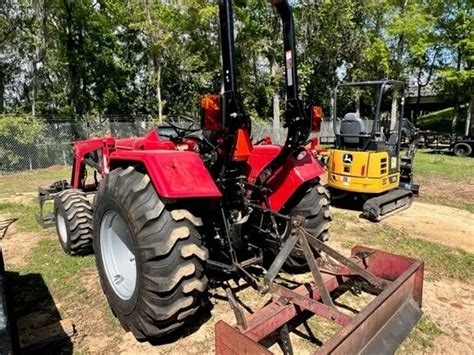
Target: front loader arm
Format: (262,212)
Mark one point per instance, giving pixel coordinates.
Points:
(297,122)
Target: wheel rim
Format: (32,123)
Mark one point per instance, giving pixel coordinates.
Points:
(62,228)
(117,254)
(461,150)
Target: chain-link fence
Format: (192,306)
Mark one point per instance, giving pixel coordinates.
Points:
(27,144)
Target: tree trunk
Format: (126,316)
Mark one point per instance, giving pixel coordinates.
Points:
(154,38)
(2,91)
(469,130)
(394,110)
(158,93)
(73,70)
(276,110)
(274,68)
(418,99)
(454,122)
(34,89)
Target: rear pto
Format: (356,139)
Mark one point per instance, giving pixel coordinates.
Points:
(169,212)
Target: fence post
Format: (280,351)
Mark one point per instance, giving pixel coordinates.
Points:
(64,157)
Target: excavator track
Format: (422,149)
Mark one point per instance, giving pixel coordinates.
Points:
(380,207)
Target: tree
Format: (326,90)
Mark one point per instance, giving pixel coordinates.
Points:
(456,77)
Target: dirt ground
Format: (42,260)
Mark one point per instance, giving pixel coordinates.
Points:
(447,302)
(450,304)
(442,224)
(446,225)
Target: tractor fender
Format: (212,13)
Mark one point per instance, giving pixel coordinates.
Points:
(174,174)
(299,169)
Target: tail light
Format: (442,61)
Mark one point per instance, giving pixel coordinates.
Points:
(210,112)
(316,118)
(362,170)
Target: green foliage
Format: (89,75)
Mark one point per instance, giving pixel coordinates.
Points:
(125,57)
(16,135)
(440,121)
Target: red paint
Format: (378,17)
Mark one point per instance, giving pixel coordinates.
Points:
(291,176)
(81,149)
(175,170)
(178,172)
(260,157)
(150,141)
(407,277)
(175,174)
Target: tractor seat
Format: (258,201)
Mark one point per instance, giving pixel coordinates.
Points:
(352,124)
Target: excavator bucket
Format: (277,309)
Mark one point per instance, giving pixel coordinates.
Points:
(379,328)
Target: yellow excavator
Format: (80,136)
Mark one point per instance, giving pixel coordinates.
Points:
(366,163)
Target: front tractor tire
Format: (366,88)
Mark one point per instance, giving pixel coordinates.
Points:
(149,258)
(314,207)
(73,219)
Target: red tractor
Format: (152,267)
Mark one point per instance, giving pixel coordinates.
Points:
(170,209)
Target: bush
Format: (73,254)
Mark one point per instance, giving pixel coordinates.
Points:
(17,141)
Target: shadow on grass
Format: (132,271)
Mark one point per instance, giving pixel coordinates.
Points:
(35,316)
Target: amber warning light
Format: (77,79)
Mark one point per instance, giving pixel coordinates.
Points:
(316,118)
(210,112)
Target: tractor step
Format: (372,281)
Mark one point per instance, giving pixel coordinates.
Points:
(383,206)
(379,328)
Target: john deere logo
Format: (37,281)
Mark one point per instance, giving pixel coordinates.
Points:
(347,158)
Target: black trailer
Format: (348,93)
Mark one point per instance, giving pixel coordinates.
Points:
(463,147)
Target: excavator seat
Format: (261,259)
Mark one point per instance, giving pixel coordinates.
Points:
(351,126)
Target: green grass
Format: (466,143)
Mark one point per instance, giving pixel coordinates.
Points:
(25,212)
(18,195)
(440,121)
(428,165)
(439,259)
(59,271)
(29,181)
(421,337)
(447,200)
(445,180)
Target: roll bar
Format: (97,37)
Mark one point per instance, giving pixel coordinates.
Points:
(381,84)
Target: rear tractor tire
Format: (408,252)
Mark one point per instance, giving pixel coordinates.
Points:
(314,206)
(73,219)
(149,258)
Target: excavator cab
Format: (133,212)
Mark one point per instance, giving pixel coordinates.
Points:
(368,125)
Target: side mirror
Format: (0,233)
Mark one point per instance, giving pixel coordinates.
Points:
(316,118)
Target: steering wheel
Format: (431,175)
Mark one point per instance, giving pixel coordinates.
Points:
(183,131)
